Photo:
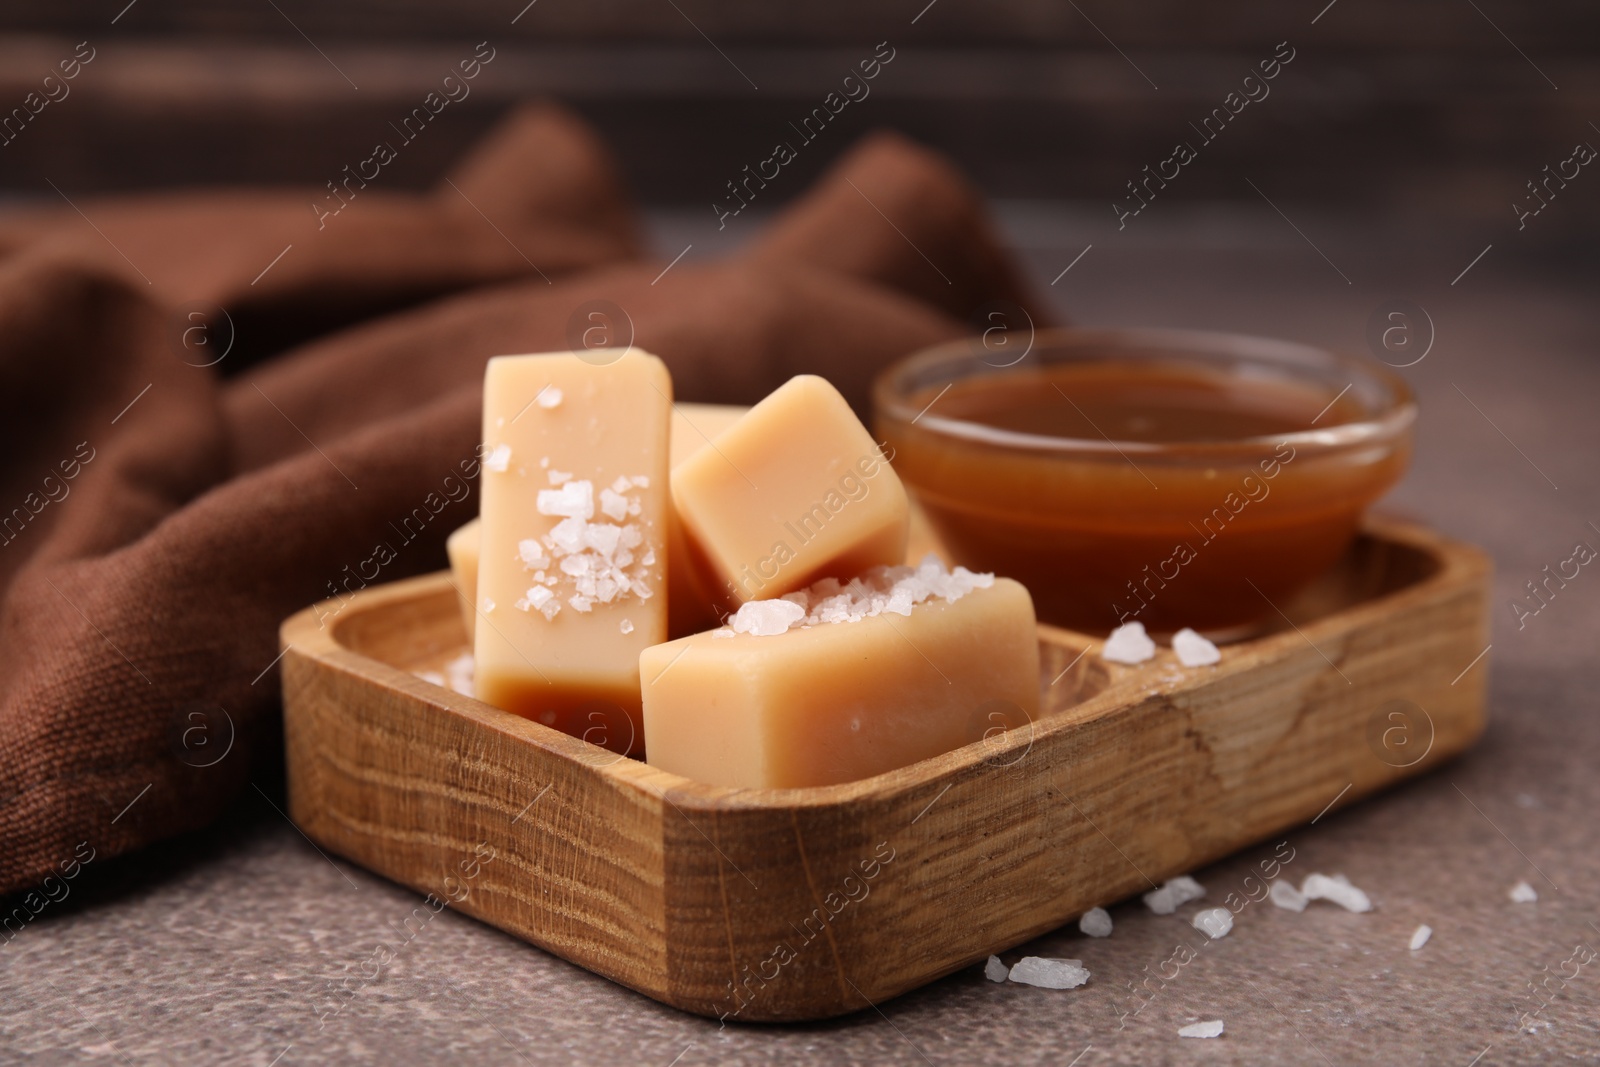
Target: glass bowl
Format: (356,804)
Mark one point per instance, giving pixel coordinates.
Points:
(1174,477)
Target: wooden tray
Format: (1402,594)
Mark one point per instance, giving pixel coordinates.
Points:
(805,903)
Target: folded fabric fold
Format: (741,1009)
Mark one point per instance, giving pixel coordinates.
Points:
(898,214)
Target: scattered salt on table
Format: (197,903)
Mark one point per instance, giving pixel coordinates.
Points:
(1337,889)
(1193,650)
(1096,922)
(1212,1028)
(1284,894)
(1420,936)
(1050,974)
(1129,644)
(1176,891)
(996,971)
(1214,922)
(1523,893)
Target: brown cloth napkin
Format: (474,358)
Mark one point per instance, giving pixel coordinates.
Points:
(157,521)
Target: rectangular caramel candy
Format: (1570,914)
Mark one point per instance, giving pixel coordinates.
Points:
(843,681)
(572,562)
(688,607)
(794,491)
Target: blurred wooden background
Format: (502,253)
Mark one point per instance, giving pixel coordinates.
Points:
(1426,108)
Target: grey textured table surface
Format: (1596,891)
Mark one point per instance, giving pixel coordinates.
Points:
(219,948)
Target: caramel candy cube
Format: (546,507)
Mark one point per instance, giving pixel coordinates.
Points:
(795,491)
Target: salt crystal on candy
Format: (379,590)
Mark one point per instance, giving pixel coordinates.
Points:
(574,500)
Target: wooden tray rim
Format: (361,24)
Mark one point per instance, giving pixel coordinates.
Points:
(307,636)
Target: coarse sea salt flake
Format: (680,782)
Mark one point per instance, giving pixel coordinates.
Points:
(567,535)
(767,618)
(579,602)
(1285,895)
(1213,922)
(559,477)
(996,971)
(1048,973)
(627,627)
(1420,935)
(498,459)
(574,500)
(614,504)
(1175,892)
(549,397)
(488,605)
(540,599)
(1128,644)
(1096,922)
(603,538)
(969,580)
(1337,889)
(530,551)
(875,592)
(1210,1028)
(1523,893)
(1193,650)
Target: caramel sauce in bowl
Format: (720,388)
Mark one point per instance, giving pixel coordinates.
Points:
(1177,478)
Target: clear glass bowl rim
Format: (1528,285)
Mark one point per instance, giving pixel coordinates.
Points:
(893,389)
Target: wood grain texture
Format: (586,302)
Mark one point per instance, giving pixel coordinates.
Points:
(766,905)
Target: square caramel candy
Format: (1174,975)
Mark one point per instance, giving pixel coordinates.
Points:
(794,491)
